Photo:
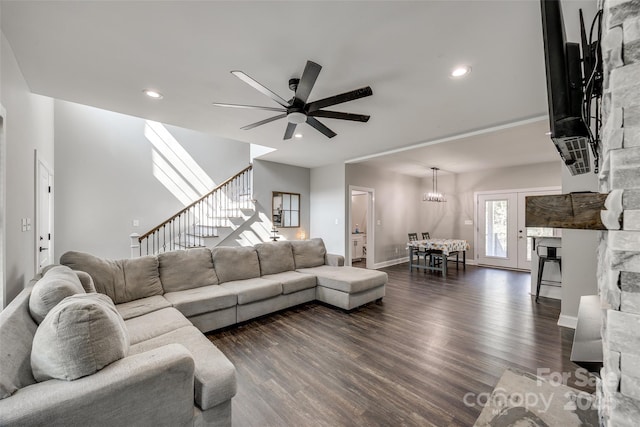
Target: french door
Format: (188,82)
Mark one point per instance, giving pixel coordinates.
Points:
(502,239)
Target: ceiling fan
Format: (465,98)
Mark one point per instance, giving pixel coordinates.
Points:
(297,110)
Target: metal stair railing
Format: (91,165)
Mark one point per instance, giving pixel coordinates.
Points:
(189,227)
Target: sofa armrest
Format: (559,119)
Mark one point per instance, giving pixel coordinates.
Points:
(86,280)
(150,388)
(334,260)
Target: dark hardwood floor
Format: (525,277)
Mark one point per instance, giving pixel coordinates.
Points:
(408,361)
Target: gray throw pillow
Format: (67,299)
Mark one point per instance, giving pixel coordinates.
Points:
(122,280)
(235,263)
(79,336)
(180,270)
(57,283)
(308,253)
(275,257)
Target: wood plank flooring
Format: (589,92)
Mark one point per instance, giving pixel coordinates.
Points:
(408,361)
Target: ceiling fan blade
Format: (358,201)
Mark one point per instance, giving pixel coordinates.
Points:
(320,127)
(339,99)
(252,107)
(259,87)
(291,128)
(339,115)
(308,79)
(264,122)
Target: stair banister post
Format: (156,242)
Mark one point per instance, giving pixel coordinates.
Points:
(135,245)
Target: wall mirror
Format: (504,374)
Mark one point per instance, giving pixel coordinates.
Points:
(285,211)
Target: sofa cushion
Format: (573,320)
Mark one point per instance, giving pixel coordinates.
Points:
(86,281)
(17,329)
(214,376)
(308,253)
(292,281)
(188,269)
(275,257)
(122,280)
(154,324)
(235,263)
(57,283)
(252,290)
(347,279)
(206,299)
(81,335)
(142,306)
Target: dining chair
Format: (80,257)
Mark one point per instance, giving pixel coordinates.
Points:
(413,237)
(435,256)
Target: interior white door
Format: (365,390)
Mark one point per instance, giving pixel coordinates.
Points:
(497,224)
(44,216)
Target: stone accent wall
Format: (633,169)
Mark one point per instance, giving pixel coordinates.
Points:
(619,252)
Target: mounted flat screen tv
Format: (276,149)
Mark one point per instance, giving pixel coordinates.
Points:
(569,129)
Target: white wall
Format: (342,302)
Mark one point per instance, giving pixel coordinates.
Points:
(448,219)
(269,177)
(579,254)
(105,177)
(29,127)
(327,207)
(359,204)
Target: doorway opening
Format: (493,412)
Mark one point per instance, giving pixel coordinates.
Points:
(501,239)
(361,229)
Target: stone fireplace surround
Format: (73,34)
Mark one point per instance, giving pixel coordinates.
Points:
(619,250)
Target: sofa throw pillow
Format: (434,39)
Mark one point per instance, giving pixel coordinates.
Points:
(308,253)
(122,280)
(79,336)
(57,283)
(275,257)
(235,263)
(180,270)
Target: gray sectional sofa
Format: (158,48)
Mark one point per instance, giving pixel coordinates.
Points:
(71,356)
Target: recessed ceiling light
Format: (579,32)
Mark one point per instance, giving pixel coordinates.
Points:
(298,135)
(151,93)
(460,71)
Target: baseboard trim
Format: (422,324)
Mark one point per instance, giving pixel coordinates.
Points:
(567,321)
(390,262)
(397,261)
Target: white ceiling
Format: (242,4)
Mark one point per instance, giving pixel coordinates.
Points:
(104,53)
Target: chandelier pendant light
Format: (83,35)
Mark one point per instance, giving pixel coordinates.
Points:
(434,195)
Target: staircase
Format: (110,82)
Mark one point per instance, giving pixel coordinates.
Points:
(205,222)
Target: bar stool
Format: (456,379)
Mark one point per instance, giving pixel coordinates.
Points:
(551,255)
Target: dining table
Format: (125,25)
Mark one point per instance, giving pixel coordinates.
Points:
(438,248)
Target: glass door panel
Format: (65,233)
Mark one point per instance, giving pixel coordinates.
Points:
(497,222)
(496,244)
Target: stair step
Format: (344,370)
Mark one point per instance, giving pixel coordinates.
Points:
(189,246)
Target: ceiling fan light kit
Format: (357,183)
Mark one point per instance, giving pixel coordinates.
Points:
(296,117)
(297,110)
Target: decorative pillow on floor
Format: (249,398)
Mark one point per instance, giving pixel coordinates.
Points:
(79,336)
(57,283)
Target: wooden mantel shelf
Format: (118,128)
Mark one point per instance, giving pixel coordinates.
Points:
(573,210)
